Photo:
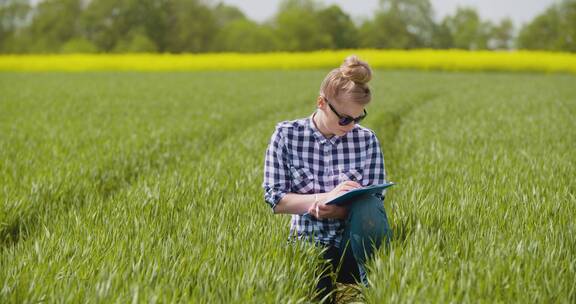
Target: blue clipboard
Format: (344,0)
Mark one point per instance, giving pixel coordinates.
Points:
(346,197)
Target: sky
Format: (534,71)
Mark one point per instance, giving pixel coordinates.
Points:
(520,11)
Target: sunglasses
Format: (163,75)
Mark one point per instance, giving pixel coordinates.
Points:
(345,120)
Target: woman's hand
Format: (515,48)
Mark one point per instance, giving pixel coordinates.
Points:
(320,210)
(341,189)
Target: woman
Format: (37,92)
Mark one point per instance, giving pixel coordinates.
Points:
(312,160)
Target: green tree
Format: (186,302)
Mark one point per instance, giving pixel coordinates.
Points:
(298,27)
(224,14)
(339,26)
(55,22)
(468,31)
(106,22)
(400,24)
(386,31)
(541,33)
(136,41)
(191,26)
(306,5)
(236,33)
(568,25)
(14,16)
(554,29)
(442,37)
(502,35)
(113,25)
(244,35)
(145,25)
(78,45)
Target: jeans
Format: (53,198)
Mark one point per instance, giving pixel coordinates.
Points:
(366,229)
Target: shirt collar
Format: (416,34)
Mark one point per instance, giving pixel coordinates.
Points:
(334,140)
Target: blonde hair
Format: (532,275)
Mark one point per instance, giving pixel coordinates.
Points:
(348,82)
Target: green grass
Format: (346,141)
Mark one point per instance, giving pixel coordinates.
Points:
(118,187)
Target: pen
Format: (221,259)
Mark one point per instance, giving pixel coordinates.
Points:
(316,202)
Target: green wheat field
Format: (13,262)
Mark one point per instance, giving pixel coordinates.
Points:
(120,187)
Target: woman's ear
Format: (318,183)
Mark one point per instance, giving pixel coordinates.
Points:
(320,102)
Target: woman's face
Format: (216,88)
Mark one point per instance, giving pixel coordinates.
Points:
(331,119)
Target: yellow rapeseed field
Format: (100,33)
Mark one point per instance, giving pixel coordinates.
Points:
(453,60)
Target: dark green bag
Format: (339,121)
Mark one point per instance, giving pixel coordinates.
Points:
(366,229)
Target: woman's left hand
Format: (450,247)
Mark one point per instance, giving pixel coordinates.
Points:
(328,211)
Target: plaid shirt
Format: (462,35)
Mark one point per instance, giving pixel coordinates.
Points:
(299,159)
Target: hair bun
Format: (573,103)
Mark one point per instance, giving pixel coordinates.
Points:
(356,70)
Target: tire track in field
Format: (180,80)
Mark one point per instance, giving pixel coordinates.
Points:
(23,222)
(390,124)
(105,181)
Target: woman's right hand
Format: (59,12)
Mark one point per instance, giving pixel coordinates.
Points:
(319,210)
(342,188)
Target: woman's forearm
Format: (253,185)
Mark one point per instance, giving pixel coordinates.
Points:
(293,203)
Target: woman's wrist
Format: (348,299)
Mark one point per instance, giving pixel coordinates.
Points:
(322,198)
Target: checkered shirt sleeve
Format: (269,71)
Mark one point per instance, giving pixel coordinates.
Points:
(374,167)
(276,172)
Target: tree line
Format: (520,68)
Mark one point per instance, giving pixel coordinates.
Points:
(177,26)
